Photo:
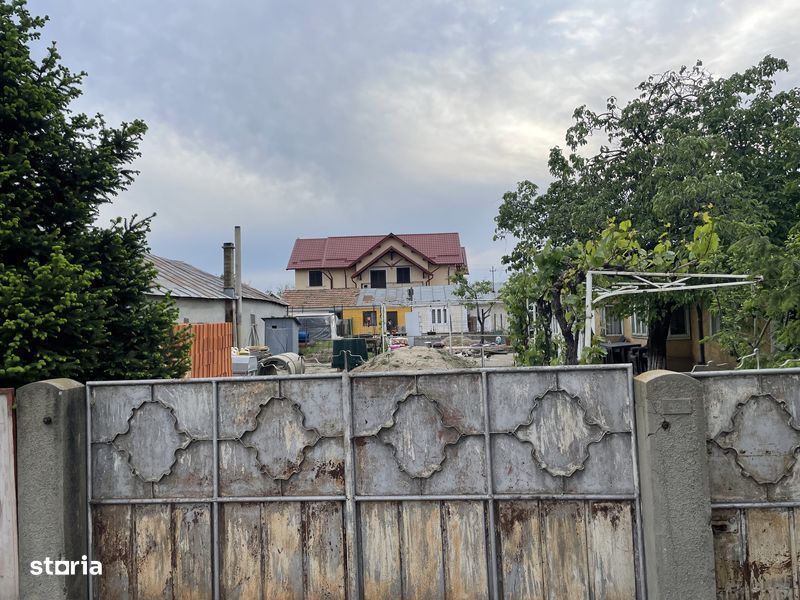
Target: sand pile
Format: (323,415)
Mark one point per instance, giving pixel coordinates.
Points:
(415,359)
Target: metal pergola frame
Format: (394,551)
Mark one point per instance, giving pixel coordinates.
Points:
(639,282)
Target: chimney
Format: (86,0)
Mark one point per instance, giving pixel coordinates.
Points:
(227,268)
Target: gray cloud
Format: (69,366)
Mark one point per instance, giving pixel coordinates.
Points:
(330,118)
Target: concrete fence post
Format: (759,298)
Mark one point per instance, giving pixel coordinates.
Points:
(51,492)
(676,501)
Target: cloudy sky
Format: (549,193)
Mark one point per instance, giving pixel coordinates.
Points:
(309,119)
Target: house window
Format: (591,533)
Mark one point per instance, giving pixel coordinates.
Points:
(639,326)
(716,323)
(444,313)
(391,320)
(679,323)
(612,324)
(403,274)
(433,315)
(369,318)
(315,279)
(377,278)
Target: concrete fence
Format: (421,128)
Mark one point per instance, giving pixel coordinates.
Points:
(717,490)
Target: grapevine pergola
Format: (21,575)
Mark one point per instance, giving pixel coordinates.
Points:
(632,282)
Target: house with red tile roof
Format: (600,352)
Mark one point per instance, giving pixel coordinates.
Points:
(377,261)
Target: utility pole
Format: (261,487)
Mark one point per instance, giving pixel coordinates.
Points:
(493,270)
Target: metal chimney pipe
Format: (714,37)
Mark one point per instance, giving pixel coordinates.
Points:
(227,268)
(237,282)
(228,289)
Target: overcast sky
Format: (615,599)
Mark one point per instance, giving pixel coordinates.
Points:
(309,119)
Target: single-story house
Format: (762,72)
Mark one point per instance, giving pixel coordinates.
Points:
(201,298)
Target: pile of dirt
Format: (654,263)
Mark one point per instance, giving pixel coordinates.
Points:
(414,359)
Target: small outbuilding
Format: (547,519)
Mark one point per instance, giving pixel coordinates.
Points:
(281,334)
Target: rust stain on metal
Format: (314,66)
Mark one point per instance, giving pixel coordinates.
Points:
(331,468)
(608,510)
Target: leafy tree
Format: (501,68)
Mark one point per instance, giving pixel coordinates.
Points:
(559,275)
(530,318)
(687,143)
(474,296)
(72,296)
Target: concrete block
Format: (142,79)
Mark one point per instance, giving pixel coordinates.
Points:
(676,505)
(51,493)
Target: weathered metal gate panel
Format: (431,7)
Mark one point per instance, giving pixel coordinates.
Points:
(472,484)
(753,437)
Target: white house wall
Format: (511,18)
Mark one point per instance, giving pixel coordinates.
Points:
(200,310)
(204,310)
(457,315)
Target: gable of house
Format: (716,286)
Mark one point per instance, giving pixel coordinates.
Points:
(347,261)
(340,252)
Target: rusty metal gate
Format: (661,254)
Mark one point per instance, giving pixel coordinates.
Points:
(495,483)
(753,434)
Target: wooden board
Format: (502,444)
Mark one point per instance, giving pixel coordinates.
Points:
(611,556)
(466,575)
(282,550)
(421,535)
(380,539)
(566,555)
(153,551)
(520,550)
(769,554)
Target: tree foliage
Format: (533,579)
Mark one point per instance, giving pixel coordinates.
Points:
(72,295)
(557,283)
(478,296)
(687,143)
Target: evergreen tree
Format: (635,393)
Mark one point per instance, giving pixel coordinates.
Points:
(72,295)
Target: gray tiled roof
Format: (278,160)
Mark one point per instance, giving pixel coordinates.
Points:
(182,280)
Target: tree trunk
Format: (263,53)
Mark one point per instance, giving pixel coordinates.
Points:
(570,339)
(482,322)
(544,313)
(657,333)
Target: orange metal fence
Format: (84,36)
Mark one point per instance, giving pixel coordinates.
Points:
(211,349)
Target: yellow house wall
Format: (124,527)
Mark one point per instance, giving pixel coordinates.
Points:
(682,353)
(331,279)
(357,315)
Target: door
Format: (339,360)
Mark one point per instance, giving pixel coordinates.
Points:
(377,278)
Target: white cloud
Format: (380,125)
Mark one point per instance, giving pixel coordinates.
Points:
(195,188)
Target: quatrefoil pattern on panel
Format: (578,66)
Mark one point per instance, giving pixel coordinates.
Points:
(560,431)
(418,436)
(280,438)
(151,441)
(763,439)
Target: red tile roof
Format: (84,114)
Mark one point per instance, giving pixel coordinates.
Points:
(324,298)
(344,251)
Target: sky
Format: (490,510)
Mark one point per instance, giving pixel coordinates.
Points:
(312,119)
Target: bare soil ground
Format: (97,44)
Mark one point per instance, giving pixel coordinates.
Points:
(415,359)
